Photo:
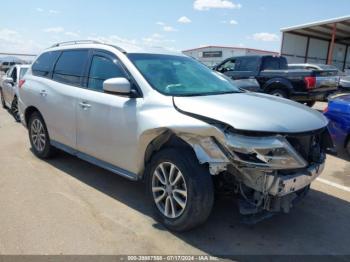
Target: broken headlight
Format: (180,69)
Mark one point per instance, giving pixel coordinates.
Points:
(273,152)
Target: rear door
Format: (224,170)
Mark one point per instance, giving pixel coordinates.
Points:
(57,94)
(106,123)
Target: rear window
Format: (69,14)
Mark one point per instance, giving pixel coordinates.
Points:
(275,63)
(70,67)
(247,64)
(44,64)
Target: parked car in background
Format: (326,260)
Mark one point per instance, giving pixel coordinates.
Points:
(169,120)
(275,78)
(344,83)
(9,84)
(338,113)
(5,66)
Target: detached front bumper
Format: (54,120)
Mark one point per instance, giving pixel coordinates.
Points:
(288,184)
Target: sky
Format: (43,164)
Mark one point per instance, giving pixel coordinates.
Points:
(31,26)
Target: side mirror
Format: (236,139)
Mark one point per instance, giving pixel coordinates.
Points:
(119,85)
(8,80)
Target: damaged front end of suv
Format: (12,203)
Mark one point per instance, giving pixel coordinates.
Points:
(271,169)
(270,172)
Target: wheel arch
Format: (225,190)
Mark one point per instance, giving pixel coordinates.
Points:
(278,83)
(28,112)
(204,148)
(166,139)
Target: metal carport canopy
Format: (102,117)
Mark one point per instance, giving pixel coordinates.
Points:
(335,30)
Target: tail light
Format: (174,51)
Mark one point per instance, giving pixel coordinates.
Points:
(325,110)
(310,82)
(21,83)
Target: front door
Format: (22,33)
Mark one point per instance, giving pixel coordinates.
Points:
(106,123)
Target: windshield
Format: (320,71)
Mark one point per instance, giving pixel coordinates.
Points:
(181,76)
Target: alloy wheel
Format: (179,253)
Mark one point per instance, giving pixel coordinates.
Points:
(169,190)
(38,135)
(14,109)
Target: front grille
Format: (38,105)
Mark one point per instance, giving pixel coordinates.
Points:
(309,146)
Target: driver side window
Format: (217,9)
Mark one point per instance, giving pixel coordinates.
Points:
(230,65)
(101,69)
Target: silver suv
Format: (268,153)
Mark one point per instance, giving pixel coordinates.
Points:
(168,120)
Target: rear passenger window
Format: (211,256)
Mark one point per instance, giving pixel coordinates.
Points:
(44,64)
(102,69)
(248,64)
(70,67)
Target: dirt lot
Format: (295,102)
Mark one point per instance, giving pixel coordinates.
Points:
(67,206)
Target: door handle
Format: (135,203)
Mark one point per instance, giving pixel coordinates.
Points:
(84,105)
(43,93)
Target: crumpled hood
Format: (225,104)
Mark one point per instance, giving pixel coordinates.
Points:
(254,112)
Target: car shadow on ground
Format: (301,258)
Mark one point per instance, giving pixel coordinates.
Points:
(318,225)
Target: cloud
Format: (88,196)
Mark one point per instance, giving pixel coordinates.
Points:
(156,40)
(265,37)
(160,23)
(56,30)
(233,22)
(13,42)
(38,9)
(54,12)
(72,34)
(184,20)
(203,5)
(168,28)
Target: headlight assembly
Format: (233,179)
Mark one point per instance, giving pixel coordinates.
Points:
(273,152)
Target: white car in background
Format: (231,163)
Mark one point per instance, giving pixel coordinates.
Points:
(9,84)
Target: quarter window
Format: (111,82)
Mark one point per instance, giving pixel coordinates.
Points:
(70,67)
(44,64)
(102,69)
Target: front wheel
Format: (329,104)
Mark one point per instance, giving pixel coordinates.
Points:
(39,137)
(310,103)
(181,190)
(14,109)
(3,104)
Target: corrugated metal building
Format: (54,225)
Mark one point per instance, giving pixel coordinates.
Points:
(212,55)
(325,42)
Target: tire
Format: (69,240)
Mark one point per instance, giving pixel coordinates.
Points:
(3,104)
(310,103)
(347,147)
(36,129)
(185,211)
(279,93)
(14,109)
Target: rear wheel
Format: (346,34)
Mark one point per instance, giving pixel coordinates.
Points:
(3,104)
(14,109)
(39,137)
(279,93)
(181,190)
(310,103)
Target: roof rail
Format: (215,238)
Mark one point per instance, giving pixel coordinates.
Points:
(76,42)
